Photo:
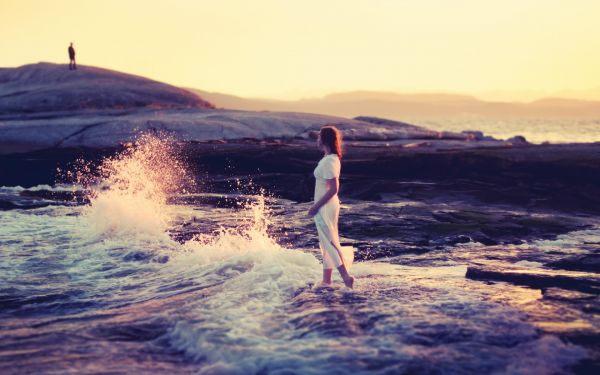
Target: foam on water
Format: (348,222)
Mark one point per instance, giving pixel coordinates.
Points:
(247,305)
(57,188)
(572,241)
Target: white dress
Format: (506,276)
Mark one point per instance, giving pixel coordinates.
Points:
(326,220)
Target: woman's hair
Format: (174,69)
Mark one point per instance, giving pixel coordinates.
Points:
(332,138)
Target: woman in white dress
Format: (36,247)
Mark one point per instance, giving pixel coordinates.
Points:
(326,207)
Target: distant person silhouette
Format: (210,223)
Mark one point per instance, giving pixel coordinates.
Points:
(72,64)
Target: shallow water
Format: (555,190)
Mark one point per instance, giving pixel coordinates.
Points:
(147,278)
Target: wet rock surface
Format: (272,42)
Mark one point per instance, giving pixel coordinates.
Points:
(538,279)
(582,262)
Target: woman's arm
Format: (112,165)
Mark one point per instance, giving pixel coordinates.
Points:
(332,185)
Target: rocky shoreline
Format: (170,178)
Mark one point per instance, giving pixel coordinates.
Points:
(555,177)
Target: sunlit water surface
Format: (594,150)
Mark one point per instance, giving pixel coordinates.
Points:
(534,130)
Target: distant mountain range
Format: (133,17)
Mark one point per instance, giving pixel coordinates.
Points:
(412,106)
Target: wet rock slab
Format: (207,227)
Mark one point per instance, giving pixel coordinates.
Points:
(582,282)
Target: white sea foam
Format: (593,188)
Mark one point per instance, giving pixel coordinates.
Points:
(56,188)
(571,241)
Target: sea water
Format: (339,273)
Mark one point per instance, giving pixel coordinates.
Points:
(534,130)
(132,283)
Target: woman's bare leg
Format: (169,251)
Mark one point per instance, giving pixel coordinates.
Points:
(348,279)
(327,275)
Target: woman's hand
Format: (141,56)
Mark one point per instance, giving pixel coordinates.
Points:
(332,186)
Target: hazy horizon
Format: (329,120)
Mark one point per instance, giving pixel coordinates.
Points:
(495,96)
(590,94)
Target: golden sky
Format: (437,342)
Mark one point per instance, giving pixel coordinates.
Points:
(291,49)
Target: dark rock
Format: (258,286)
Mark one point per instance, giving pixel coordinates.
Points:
(137,256)
(476,135)
(518,140)
(461,238)
(387,122)
(536,279)
(581,262)
(483,239)
(162,259)
(75,196)
(7,205)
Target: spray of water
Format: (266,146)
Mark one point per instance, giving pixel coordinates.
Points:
(128,196)
(249,236)
(128,192)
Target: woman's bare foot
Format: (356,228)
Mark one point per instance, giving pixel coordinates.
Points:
(349,282)
(322,285)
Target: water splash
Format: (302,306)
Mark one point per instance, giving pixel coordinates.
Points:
(249,235)
(129,195)
(128,192)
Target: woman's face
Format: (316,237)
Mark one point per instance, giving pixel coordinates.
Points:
(319,143)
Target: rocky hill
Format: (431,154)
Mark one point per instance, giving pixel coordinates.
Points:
(46,87)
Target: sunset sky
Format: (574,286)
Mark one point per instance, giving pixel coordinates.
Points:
(292,49)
